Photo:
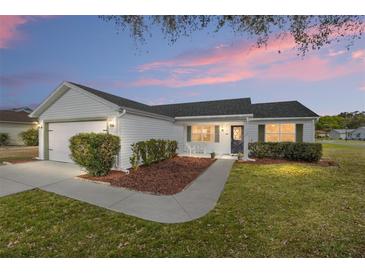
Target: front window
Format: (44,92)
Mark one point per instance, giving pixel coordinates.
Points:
(280,133)
(202,133)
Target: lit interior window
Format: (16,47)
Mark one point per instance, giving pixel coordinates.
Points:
(280,133)
(202,133)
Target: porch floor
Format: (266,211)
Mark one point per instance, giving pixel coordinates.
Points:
(207,155)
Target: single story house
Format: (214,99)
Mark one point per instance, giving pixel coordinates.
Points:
(342,134)
(223,126)
(358,134)
(15,121)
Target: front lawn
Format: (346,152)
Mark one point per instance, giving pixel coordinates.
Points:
(274,210)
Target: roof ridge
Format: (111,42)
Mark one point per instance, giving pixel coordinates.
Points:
(275,102)
(207,101)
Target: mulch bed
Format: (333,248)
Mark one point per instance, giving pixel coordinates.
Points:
(164,178)
(268,161)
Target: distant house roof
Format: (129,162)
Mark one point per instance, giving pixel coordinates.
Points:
(210,108)
(26,109)
(15,116)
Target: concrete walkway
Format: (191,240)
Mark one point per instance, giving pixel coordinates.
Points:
(192,203)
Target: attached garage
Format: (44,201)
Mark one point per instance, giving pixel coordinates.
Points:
(60,133)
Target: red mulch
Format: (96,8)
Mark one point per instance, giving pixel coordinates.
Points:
(164,178)
(268,161)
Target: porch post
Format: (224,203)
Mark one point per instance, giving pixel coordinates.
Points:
(245,141)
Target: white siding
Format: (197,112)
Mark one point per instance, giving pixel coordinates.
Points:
(13,129)
(134,128)
(75,104)
(308,128)
(358,134)
(224,144)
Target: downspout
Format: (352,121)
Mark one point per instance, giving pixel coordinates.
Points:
(118,132)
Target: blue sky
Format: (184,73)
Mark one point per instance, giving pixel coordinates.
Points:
(38,53)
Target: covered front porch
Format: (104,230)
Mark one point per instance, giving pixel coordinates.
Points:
(225,136)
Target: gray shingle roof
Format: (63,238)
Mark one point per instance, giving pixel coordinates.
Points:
(217,107)
(15,116)
(281,109)
(120,101)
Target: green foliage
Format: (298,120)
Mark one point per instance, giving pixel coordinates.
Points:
(330,122)
(95,151)
(310,152)
(4,139)
(309,32)
(343,120)
(151,151)
(30,137)
(354,119)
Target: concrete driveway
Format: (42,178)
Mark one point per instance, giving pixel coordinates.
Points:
(192,203)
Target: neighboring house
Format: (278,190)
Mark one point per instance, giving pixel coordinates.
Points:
(358,134)
(14,122)
(321,134)
(25,109)
(223,126)
(342,134)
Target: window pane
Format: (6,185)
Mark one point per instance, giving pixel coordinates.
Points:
(202,133)
(272,128)
(287,138)
(196,137)
(237,133)
(287,128)
(272,137)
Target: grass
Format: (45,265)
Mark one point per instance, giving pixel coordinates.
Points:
(285,210)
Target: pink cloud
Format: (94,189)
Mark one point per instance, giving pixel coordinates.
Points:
(336,53)
(359,54)
(9,28)
(362,87)
(309,69)
(228,64)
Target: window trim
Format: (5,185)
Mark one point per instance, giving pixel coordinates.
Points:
(280,133)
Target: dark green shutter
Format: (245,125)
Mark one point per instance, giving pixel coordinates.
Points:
(299,133)
(216,134)
(261,135)
(188,133)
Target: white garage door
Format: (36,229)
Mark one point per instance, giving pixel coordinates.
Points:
(60,133)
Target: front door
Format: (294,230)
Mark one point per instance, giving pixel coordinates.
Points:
(236,139)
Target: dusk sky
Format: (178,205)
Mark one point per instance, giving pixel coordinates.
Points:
(38,53)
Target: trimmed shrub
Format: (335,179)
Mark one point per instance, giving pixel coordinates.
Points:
(310,152)
(96,152)
(152,151)
(30,137)
(4,139)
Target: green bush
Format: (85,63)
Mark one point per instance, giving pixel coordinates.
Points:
(30,137)
(151,151)
(96,152)
(4,139)
(310,152)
